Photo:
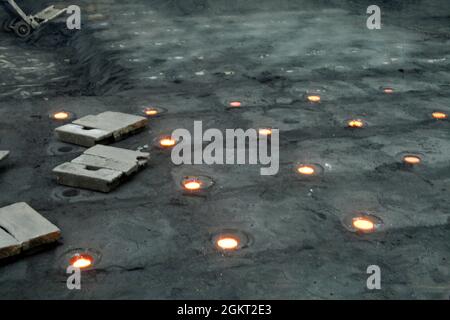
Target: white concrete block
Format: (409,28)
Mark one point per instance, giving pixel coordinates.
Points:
(92,129)
(92,162)
(80,176)
(118,154)
(79,135)
(9,246)
(100,168)
(22,228)
(3,155)
(116,122)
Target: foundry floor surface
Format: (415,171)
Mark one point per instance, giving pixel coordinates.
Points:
(192,57)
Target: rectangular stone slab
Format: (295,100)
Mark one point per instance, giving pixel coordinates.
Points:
(3,155)
(92,129)
(95,162)
(79,135)
(78,176)
(100,168)
(120,155)
(9,246)
(116,122)
(27,227)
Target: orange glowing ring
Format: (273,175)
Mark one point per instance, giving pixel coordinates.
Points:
(235,104)
(362,223)
(192,185)
(314,98)
(153,111)
(412,159)
(196,183)
(167,142)
(61,115)
(82,261)
(308,169)
(230,241)
(355,124)
(265,132)
(439,115)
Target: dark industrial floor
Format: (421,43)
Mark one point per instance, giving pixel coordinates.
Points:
(192,57)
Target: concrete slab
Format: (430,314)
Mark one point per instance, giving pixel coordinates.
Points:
(100,168)
(105,126)
(118,154)
(91,161)
(22,228)
(79,135)
(9,246)
(3,155)
(79,176)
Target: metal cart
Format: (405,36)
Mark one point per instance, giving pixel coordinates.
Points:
(22,24)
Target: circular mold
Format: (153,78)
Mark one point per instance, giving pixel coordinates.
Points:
(70,193)
(83,258)
(153,112)
(61,115)
(411,158)
(56,149)
(165,142)
(308,169)
(67,194)
(388,90)
(362,223)
(82,261)
(65,149)
(228,243)
(230,240)
(266,131)
(355,123)
(439,115)
(196,183)
(313,98)
(235,104)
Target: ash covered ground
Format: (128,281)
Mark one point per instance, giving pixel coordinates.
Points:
(192,57)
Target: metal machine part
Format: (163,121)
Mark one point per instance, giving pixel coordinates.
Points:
(22,24)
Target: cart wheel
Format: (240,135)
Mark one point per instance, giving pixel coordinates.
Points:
(22,29)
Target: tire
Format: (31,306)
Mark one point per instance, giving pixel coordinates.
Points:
(22,29)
